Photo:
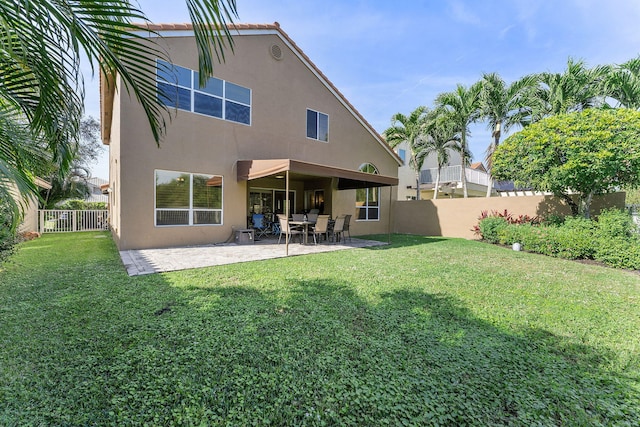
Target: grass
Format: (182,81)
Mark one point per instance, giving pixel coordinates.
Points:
(426,331)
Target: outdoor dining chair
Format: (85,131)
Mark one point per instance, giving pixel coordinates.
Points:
(286,228)
(321,227)
(345,228)
(338,228)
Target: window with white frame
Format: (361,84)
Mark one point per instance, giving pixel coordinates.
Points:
(179,87)
(184,198)
(317,126)
(368,199)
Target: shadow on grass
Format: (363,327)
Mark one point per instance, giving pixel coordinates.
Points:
(103,348)
(401,240)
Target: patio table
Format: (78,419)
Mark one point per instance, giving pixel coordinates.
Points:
(305,224)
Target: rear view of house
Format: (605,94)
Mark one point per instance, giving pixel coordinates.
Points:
(267,122)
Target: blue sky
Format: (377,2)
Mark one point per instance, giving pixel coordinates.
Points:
(388,57)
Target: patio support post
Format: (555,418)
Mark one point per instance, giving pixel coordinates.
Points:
(286,211)
(390,212)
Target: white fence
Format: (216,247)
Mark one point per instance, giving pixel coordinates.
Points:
(60,221)
(454,174)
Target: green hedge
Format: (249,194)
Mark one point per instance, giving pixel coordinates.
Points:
(613,239)
(8,236)
(81,205)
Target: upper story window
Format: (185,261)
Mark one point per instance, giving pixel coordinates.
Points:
(402,153)
(317,126)
(179,87)
(184,198)
(368,199)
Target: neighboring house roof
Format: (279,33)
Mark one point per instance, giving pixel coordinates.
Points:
(107,83)
(478,166)
(97,182)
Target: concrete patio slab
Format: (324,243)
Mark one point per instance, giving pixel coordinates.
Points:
(148,261)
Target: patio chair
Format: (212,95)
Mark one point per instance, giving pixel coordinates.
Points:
(312,217)
(260,225)
(286,228)
(321,227)
(338,228)
(345,228)
(297,217)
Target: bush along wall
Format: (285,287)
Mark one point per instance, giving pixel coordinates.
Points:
(80,205)
(8,236)
(612,239)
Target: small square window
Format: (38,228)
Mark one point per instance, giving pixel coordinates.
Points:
(317,126)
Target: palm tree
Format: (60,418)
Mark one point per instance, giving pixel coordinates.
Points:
(504,106)
(42,87)
(409,129)
(441,138)
(463,108)
(575,89)
(623,84)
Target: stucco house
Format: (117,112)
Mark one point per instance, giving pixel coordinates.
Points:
(269,119)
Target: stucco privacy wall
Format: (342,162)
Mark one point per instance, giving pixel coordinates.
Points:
(456,217)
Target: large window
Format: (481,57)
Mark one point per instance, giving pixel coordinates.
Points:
(187,198)
(317,126)
(368,199)
(179,87)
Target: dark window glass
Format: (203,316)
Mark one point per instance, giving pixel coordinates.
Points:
(237,113)
(209,105)
(323,127)
(174,96)
(312,124)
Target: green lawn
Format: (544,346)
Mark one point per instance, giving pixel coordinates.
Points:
(426,331)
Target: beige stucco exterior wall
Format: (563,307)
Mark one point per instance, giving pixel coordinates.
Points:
(281,93)
(456,217)
(30,219)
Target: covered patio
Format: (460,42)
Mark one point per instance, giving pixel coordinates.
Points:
(288,176)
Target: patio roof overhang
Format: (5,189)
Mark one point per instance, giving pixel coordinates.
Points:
(347,179)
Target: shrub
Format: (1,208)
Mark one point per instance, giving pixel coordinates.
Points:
(81,205)
(619,253)
(499,219)
(575,238)
(8,236)
(490,227)
(615,223)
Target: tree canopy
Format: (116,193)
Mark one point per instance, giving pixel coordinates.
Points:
(409,129)
(586,153)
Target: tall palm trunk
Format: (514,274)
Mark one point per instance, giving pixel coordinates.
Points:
(463,175)
(492,149)
(435,190)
